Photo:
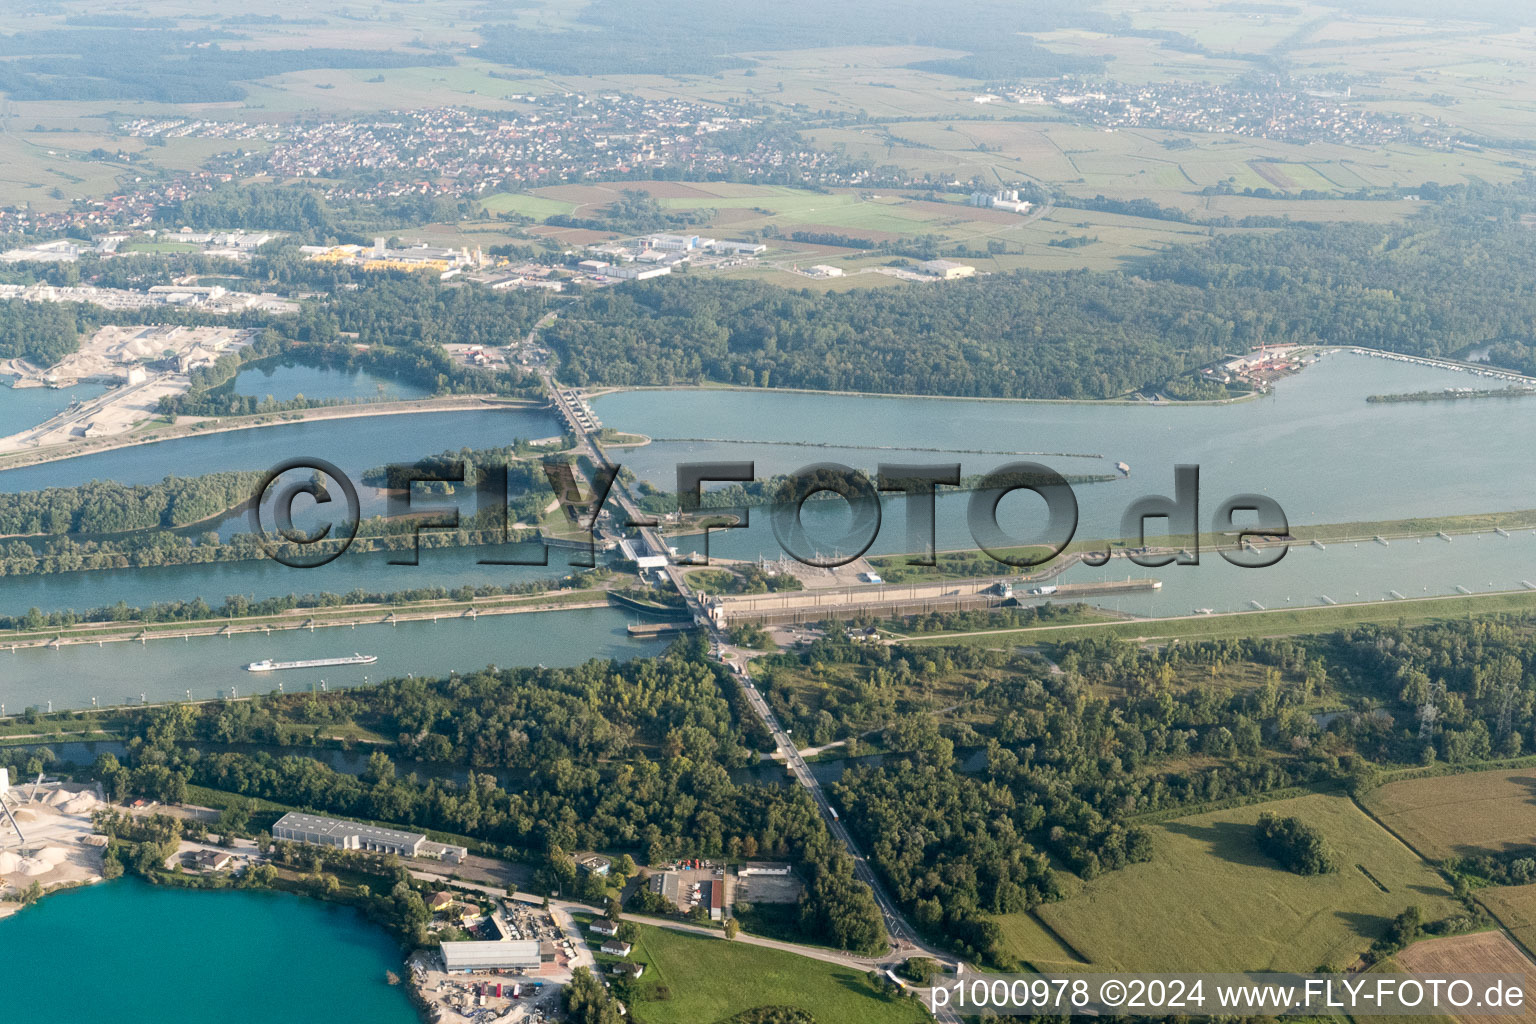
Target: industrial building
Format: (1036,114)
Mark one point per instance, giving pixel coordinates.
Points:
(637,273)
(762,867)
(712,897)
(346,835)
(1007,199)
(464,957)
(739,248)
(679,243)
(352,835)
(435,259)
(947,270)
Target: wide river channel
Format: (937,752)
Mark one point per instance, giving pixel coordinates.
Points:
(1315,446)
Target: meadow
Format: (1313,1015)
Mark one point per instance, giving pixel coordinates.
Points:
(691,978)
(1210,900)
(1458,815)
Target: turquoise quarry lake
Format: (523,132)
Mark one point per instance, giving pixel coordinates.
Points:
(21,408)
(134,953)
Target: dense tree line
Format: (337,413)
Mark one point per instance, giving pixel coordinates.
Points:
(142,549)
(1296,845)
(238,606)
(306,212)
(44,332)
(1050,336)
(168,66)
(105,506)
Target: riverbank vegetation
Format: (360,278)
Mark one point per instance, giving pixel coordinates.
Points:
(325,605)
(1455,394)
(105,506)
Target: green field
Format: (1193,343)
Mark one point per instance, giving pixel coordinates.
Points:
(533,206)
(1451,815)
(1210,901)
(712,979)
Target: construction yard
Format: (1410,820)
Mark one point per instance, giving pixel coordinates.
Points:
(46,838)
(147,364)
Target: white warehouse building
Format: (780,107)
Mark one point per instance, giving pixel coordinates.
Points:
(346,835)
(463,957)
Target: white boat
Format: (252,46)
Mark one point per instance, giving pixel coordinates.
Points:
(268,665)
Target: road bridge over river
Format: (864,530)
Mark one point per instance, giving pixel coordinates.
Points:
(571,409)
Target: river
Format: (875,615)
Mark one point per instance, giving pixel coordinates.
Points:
(235,955)
(1314,445)
(214,666)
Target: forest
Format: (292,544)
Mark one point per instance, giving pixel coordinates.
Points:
(85,63)
(105,506)
(1457,275)
(43,332)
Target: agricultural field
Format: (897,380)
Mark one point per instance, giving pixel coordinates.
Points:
(1083,239)
(1232,908)
(537,207)
(684,974)
(1453,815)
(1515,908)
(1476,79)
(1480,953)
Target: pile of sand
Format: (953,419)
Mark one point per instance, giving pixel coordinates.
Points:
(80,803)
(62,797)
(10,863)
(44,861)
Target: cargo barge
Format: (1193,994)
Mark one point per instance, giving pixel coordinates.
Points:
(268,665)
